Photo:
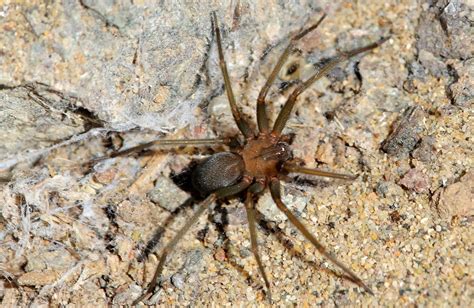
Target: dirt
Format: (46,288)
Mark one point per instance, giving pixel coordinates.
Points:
(81,79)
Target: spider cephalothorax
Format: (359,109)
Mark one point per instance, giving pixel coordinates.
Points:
(258,163)
(264,156)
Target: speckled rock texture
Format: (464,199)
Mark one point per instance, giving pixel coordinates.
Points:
(80,79)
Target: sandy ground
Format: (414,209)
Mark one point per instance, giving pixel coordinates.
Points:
(79,80)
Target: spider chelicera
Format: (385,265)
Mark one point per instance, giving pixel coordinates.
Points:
(257,163)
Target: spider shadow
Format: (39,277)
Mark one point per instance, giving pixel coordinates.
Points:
(218,217)
(269,228)
(159,232)
(183,181)
(220,220)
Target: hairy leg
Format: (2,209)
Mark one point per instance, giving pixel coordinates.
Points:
(171,245)
(160,143)
(165,142)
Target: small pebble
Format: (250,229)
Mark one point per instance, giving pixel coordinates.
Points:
(39,278)
(167,195)
(105,177)
(178,280)
(395,216)
(325,154)
(415,180)
(457,198)
(387,189)
(220,255)
(406,133)
(426,150)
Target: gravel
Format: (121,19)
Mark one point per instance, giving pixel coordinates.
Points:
(400,116)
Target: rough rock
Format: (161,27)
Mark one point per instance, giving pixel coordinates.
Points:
(74,74)
(167,195)
(294,199)
(445,29)
(425,150)
(415,180)
(405,134)
(457,198)
(462,90)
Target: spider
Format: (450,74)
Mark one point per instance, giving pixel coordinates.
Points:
(258,163)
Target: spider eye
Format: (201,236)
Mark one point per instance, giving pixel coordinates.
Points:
(284,151)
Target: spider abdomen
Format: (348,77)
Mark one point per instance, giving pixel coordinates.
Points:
(220,170)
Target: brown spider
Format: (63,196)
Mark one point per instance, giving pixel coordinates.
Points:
(256,164)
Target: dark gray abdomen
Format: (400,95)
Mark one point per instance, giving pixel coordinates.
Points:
(218,171)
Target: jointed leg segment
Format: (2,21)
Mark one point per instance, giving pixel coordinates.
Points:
(239,120)
(288,107)
(275,192)
(250,208)
(170,247)
(220,193)
(297,169)
(184,142)
(262,118)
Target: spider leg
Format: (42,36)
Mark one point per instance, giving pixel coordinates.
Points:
(262,118)
(250,208)
(220,193)
(239,120)
(162,142)
(297,169)
(275,192)
(165,142)
(234,189)
(150,246)
(287,108)
(171,245)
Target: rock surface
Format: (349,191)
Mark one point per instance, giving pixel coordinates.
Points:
(79,76)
